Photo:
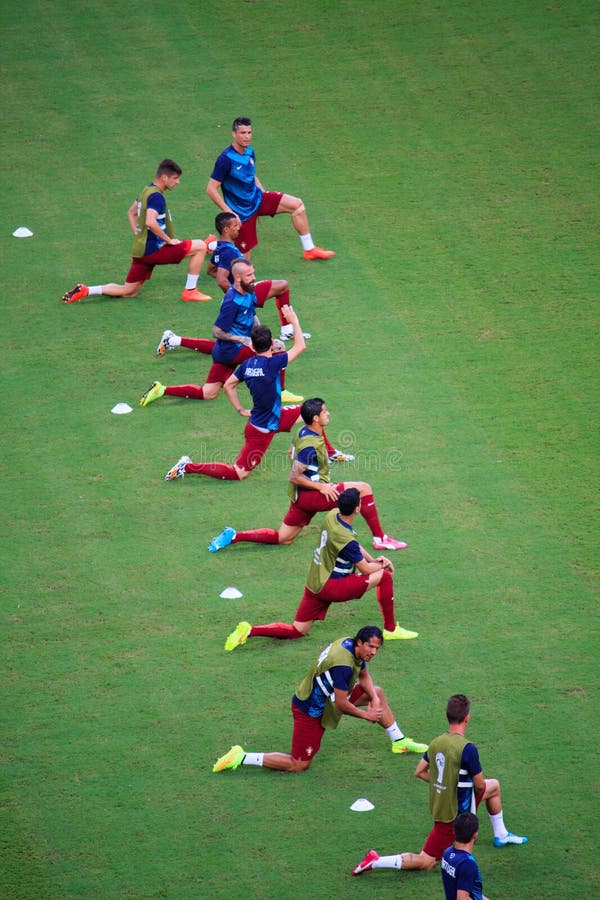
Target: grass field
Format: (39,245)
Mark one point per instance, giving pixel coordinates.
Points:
(448,153)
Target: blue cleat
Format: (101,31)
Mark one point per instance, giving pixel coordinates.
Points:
(223,539)
(509,839)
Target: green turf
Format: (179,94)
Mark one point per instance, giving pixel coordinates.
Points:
(448,153)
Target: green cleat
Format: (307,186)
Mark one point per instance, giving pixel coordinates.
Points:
(238,636)
(231,759)
(399,634)
(154,392)
(288,397)
(407,745)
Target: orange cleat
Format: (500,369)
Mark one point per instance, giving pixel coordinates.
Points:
(76,293)
(189,296)
(318,253)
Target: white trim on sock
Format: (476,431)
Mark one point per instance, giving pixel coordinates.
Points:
(393,732)
(253,759)
(388,862)
(95,290)
(307,241)
(192,281)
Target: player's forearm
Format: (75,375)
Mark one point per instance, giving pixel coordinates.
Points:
(212,190)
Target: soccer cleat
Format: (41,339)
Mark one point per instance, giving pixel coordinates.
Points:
(509,839)
(238,636)
(178,470)
(165,343)
(340,456)
(288,397)
(223,539)
(287,333)
(318,253)
(407,745)
(366,864)
(76,293)
(191,295)
(388,543)
(231,759)
(211,242)
(399,634)
(154,392)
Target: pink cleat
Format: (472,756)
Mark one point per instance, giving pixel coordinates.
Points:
(366,864)
(388,543)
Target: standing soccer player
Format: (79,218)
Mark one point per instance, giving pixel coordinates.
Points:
(154,243)
(234,187)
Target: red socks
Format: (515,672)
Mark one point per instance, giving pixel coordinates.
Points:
(385,598)
(258,536)
(201,345)
(277,630)
(369,512)
(282,300)
(189,391)
(213,470)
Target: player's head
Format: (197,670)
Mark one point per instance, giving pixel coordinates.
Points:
(168,167)
(224,220)
(367,642)
(368,632)
(457,708)
(311,408)
(241,122)
(466,825)
(348,501)
(261,338)
(242,271)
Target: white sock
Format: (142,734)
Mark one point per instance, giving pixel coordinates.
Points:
(175,339)
(394,733)
(253,759)
(192,281)
(307,241)
(388,862)
(498,826)
(95,290)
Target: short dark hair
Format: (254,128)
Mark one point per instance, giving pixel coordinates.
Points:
(223,219)
(261,338)
(457,708)
(465,826)
(168,167)
(241,120)
(348,501)
(311,408)
(239,261)
(366,633)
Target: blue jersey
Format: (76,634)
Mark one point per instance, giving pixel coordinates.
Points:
(262,375)
(324,684)
(235,173)
(158,203)
(348,555)
(460,872)
(224,254)
(236,316)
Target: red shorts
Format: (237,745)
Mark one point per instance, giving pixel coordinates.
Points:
(168,255)
(258,442)
(220,372)
(442,835)
(335,590)
(261,289)
(308,732)
(309,502)
(247,239)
